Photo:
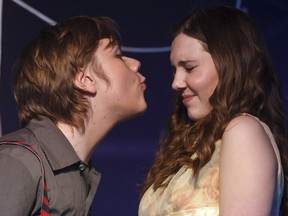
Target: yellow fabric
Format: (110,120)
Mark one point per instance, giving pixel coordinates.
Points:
(186,195)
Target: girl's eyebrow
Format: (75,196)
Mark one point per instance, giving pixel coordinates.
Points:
(185,62)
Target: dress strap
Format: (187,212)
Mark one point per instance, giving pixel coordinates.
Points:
(45,211)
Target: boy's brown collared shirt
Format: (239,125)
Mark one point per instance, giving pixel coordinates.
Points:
(71,183)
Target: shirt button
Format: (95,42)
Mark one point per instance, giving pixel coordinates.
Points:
(82,167)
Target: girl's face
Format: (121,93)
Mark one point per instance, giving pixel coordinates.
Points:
(124,96)
(195,75)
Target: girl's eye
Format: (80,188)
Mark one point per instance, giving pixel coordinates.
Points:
(189,69)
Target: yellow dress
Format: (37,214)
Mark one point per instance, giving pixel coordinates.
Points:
(188,196)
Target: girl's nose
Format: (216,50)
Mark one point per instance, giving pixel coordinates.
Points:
(178,82)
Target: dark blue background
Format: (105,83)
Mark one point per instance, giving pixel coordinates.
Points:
(126,154)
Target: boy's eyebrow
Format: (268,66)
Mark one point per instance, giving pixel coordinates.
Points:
(116,49)
(112,44)
(113,47)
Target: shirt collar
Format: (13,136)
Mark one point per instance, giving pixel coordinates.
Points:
(55,145)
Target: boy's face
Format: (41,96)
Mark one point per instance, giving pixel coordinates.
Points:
(124,96)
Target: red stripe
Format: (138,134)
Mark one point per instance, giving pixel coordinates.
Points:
(44,213)
(45,201)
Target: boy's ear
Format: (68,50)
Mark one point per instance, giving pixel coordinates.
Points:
(85,80)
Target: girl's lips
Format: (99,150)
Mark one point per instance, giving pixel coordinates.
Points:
(187,98)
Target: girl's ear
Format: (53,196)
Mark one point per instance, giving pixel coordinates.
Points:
(85,79)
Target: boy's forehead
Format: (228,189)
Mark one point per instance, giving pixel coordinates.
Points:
(106,47)
(108,44)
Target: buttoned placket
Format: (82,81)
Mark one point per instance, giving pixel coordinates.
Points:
(85,178)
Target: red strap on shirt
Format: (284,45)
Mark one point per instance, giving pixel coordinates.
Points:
(45,211)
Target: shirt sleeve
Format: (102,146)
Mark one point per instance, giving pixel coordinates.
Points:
(18,188)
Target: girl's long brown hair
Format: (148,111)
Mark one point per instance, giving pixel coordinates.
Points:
(247,84)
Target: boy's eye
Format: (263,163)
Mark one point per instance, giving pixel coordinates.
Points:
(119,55)
(173,70)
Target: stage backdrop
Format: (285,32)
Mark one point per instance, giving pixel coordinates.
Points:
(126,154)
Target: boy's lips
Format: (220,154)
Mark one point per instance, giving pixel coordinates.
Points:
(143,86)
